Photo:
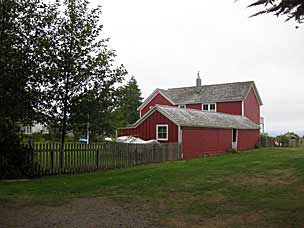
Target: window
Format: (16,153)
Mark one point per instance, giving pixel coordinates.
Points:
(162,132)
(212,107)
(206,107)
(209,107)
(182,106)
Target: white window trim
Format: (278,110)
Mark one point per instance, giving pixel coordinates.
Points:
(215,110)
(243,113)
(162,125)
(182,106)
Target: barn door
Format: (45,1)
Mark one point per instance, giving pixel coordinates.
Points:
(234,138)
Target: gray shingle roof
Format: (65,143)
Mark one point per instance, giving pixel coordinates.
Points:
(197,118)
(209,93)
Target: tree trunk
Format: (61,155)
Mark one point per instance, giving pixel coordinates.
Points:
(63,132)
(64,121)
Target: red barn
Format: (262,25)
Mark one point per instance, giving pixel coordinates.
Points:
(207,119)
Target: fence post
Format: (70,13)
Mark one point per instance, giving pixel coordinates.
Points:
(52,157)
(97,158)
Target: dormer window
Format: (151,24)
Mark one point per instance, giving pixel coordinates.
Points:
(182,106)
(209,107)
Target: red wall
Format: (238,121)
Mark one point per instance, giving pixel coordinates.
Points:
(252,107)
(194,106)
(158,99)
(147,129)
(230,107)
(200,141)
(248,139)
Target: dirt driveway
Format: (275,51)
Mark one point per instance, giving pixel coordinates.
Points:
(80,213)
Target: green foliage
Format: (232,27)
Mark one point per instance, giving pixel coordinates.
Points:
(128,100)
(13,156)
(21,23)
(284,139)
(290,8)
(79,72)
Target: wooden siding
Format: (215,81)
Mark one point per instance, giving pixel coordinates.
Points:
(158,99)
(248,139)
(230,107)
(205,141)
(147,129)
(252,107)
(194,106)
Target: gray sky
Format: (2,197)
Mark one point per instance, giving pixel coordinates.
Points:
(164,43)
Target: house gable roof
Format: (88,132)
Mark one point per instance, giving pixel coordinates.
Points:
(196,118)
(155,92)
(226,92)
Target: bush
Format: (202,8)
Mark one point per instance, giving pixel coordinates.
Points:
(15,159)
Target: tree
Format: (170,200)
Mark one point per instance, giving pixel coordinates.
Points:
(128,100)
(293,9)
(93,113)
(78,64)
(21,25)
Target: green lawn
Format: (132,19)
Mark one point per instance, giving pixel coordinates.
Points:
(265,187)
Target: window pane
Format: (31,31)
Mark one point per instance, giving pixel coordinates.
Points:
(212,107)
(205,107)
(162,132)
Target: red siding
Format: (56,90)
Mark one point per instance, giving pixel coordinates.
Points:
(200,141)
(252,107)
(230,107)
(147,129)
(158,99)
(248,139)
(194,106)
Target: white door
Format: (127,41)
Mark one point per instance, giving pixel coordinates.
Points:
(234,138)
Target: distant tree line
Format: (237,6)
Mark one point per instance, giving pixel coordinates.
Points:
(57,68)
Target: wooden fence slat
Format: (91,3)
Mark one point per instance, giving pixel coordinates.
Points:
(86,158)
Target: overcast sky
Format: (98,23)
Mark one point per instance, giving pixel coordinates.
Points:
(164,43)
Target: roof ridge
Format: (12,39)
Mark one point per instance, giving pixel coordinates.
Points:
(227,83)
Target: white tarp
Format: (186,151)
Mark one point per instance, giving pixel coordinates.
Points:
(131,139)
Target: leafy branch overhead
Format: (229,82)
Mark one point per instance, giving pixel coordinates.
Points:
(293,9)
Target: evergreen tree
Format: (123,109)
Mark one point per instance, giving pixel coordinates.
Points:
(128,100)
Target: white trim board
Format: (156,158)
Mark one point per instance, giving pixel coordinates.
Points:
(167,133)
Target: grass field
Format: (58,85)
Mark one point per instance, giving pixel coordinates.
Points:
(258,188)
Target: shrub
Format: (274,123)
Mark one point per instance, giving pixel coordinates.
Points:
(14,158)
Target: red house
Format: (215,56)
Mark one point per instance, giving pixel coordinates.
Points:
(208,119)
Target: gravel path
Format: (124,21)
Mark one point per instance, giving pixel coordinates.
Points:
(80,213)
